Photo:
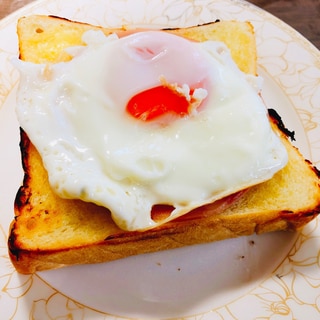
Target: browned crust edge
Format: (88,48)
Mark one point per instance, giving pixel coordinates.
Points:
(186,230)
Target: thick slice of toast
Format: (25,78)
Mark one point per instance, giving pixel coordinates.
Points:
(49,232)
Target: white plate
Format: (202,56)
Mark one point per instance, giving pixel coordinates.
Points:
(258,277)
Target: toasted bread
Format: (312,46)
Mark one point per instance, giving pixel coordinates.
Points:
(49,232)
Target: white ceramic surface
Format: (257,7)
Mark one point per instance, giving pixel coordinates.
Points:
(273,276)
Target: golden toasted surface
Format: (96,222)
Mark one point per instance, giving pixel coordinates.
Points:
(43,38)
(50,232)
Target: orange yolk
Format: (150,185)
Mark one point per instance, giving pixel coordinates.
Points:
(157,101)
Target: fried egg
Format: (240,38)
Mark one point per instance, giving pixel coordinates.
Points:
(147,119)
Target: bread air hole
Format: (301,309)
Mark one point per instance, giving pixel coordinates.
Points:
(160,212)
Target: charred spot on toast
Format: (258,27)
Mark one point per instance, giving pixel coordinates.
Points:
(297,220)
(276,118)
(22,198)
(63,19)
(314,168)
(23,193)
(24,146)
(198,25)
(13,248)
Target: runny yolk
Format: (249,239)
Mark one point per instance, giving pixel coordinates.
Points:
(157,101)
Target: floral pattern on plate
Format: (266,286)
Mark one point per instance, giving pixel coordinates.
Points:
(292,290)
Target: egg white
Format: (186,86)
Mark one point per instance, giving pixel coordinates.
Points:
(74,113)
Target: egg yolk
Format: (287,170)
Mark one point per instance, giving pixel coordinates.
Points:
(156,76)
(157,101)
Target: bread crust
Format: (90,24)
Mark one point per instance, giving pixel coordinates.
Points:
(49,232)
(206,224)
